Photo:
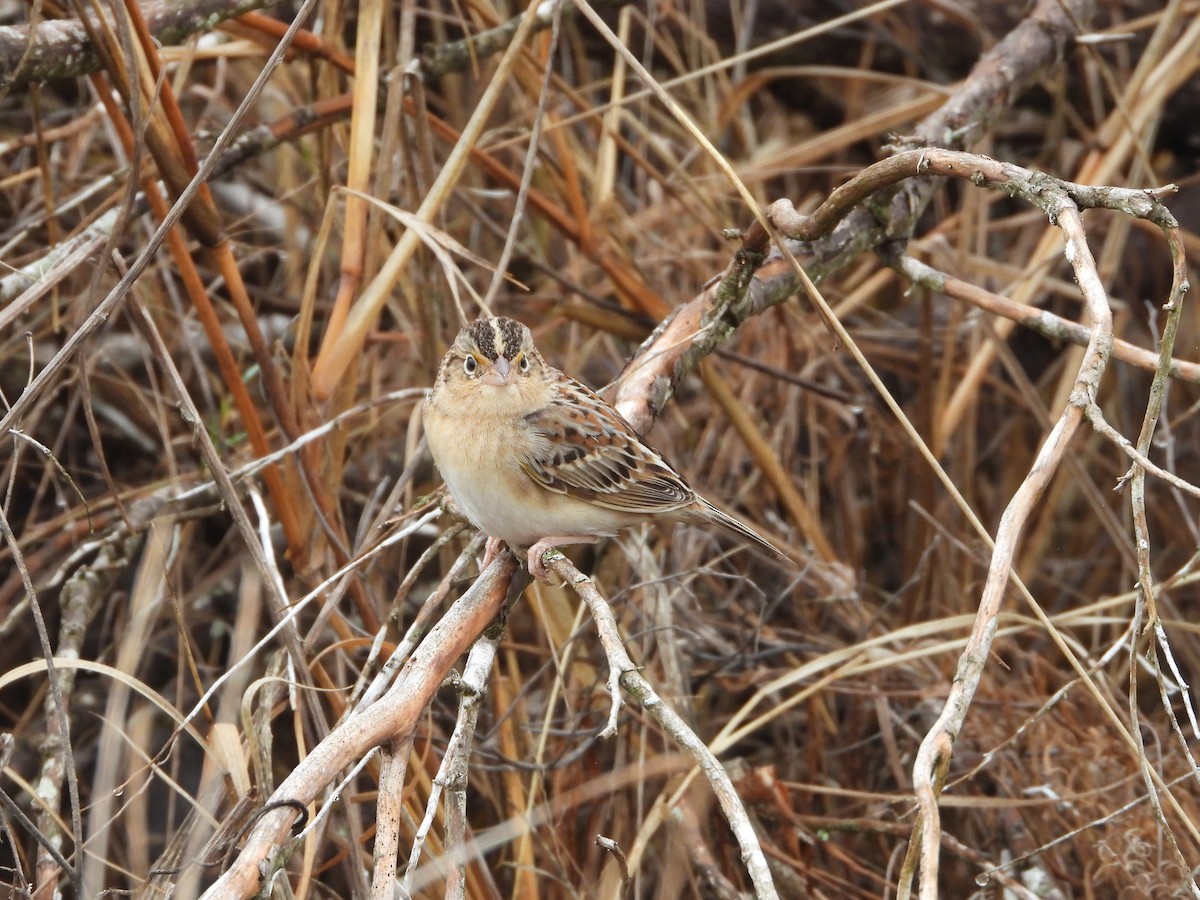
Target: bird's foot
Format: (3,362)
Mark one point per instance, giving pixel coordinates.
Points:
(537,566)
(493,548)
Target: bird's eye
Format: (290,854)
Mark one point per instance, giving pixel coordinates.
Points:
(470,365)
(523,363)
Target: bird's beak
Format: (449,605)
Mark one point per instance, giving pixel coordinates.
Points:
(499,373)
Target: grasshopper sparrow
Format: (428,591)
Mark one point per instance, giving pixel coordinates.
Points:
(536,459)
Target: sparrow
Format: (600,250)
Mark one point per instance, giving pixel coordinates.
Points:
(536,460)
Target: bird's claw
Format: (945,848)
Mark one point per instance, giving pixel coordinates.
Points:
(536,563)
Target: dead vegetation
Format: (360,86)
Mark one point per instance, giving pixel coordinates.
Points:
(220,523)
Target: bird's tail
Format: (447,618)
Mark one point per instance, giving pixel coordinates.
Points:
(734,526)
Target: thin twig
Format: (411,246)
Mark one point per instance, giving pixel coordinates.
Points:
(623,674)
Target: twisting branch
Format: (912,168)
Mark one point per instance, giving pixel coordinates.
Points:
(936,747)
(1062,202)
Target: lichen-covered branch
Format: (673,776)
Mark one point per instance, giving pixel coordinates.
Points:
(60,48)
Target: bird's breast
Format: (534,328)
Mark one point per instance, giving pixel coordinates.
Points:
(481,459)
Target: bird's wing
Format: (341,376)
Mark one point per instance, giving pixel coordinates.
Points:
(584,448)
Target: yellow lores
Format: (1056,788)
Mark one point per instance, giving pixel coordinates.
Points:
(536,459)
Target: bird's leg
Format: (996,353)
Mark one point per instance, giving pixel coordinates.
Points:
(537,568)
(493,548)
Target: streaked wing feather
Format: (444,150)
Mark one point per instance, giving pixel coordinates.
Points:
(588,450)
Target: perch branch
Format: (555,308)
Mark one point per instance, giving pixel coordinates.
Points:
(394,714)
(624,674)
